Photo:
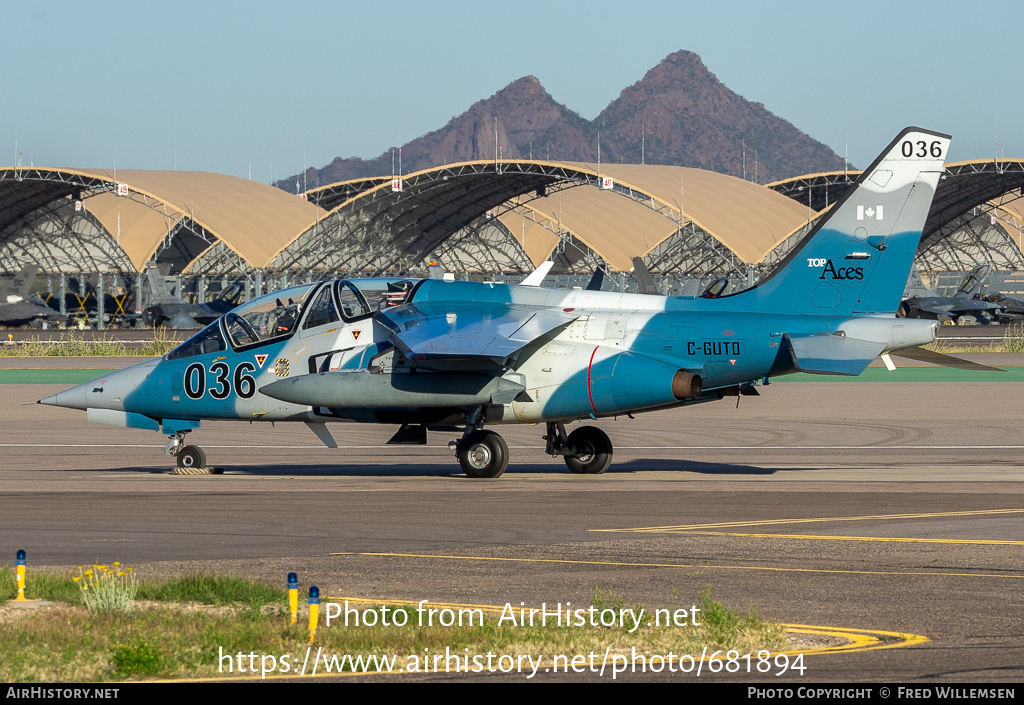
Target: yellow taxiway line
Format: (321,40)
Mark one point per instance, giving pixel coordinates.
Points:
(772,522)
(895,539)
(678,565)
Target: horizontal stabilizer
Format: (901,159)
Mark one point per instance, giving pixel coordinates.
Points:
(832,354)
(937,358)
(467,330)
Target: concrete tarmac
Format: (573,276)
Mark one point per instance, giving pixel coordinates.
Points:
(879,506)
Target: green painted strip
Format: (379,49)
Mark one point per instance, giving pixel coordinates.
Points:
(50,376)
(913,374)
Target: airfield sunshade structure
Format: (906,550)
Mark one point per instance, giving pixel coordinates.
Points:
(481,218)
(507,217)
(102,220)
(971,221)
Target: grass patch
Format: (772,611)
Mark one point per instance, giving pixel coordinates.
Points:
(1012,342)
(73,345)
(211,589)
(172,640)
(200,587)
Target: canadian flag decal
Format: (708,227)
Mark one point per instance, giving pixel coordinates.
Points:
(869,213)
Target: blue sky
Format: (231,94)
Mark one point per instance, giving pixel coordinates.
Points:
(233,86)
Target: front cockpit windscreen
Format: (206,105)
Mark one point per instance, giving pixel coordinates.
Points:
(268,317)
(207,340)
(362,297)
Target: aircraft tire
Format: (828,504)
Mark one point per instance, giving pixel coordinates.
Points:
(483,454)
(594,451)
(191,457)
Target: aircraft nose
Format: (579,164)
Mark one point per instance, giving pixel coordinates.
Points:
(73,398)
(106,392)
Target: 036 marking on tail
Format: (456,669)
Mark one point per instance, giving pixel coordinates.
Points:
(453,356)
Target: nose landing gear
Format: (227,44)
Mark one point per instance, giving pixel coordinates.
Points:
(189,460)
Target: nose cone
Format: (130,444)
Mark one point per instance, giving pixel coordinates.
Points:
(107,392)
(73,398)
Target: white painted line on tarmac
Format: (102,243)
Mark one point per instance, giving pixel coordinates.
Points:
(445,447)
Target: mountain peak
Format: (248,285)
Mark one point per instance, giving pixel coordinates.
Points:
(678,113)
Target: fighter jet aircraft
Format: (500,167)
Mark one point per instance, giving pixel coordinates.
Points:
(1011,310)
(964,306)
(455,356)
(164,308)
(17,306)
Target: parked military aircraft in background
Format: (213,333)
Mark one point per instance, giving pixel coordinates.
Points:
(164,308)
(1010,310)
(435,355)
(964,306)
(17,306)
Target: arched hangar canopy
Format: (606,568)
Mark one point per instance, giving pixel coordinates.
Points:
(964,187)
(250,218)
(377,226)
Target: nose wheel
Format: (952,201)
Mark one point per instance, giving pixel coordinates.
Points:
(190,457)
(188,460)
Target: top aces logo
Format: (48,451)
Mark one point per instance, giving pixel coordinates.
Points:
(830,271)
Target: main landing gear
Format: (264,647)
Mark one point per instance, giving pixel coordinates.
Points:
(481,453)
(587,450)
(190,460)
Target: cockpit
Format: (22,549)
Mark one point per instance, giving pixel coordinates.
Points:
(278,315)
(266,317)
(360,298)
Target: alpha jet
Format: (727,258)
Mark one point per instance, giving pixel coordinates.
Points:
(456,356)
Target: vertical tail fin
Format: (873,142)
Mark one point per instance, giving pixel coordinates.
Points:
(159,292)
(22,281)
(857,258)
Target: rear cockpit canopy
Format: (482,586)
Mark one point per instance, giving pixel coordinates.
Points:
(266,317)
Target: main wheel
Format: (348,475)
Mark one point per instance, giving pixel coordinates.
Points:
(593,451)
(483,454)
(191,457)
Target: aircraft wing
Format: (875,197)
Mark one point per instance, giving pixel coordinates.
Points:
(972,307)
(423,331)
(831,354)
